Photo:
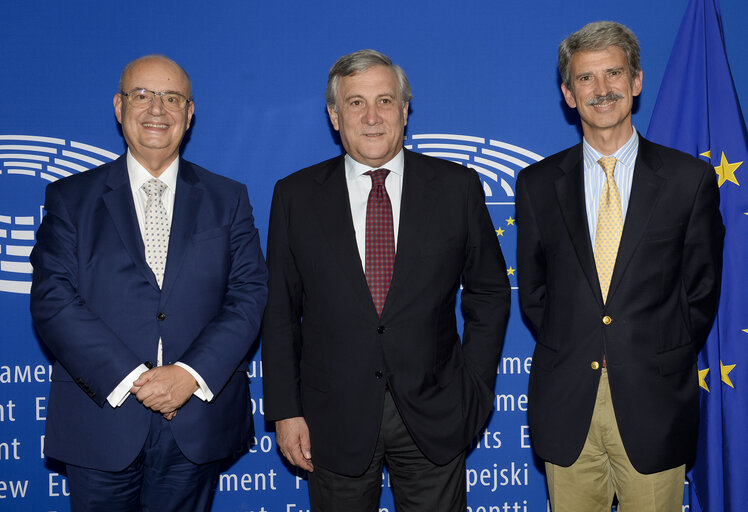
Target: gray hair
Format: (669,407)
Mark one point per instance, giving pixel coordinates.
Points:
(598,36)
(357,62)
(153,56)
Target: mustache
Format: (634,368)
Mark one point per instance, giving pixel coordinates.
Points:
(597,100)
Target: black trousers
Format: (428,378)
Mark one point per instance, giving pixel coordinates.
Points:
(418,484)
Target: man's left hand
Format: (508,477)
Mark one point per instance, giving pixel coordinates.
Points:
(164,389)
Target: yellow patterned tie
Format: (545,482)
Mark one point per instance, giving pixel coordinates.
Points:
(609,226)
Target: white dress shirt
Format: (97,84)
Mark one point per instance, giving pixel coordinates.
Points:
(138,177)
(359,186)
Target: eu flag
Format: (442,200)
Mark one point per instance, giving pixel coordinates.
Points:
(697,111)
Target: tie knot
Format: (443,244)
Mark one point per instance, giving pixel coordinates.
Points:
(378,176)
(608,164)
(154,188)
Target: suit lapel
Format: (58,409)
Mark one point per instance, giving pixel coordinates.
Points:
(119,202)
(417,200)
(333,208)
(186,205)
(645,189)
(570,193)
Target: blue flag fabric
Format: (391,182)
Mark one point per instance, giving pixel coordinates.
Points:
(697,111)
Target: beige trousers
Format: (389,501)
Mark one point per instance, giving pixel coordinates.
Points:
(603,469)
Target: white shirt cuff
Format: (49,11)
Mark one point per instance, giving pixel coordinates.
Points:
(203,391)
(118,396)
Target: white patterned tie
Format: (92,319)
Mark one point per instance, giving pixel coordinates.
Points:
(157,227)
(609,226)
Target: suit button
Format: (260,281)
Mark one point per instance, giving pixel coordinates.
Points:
(381,329)
(595,365)
(378,374)
(607,320)
(161,316)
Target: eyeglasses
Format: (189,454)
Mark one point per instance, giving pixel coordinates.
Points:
(142,98)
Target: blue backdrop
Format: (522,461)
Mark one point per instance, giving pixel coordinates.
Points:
(485,93)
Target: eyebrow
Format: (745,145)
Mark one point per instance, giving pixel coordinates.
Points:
(606,70)
(166,92)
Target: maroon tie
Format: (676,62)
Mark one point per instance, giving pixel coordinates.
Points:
(380,239)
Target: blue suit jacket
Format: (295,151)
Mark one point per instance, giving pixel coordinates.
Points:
(98,309)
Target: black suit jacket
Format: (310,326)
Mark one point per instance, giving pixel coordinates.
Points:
(327,355)
(662,301)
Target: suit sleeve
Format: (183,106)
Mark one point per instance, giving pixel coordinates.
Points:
(83,344)
(702,257)
(531,272)
(486,293)
(225,341)
(281,333)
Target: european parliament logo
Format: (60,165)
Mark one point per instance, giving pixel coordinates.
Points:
(27,164)
(496,162)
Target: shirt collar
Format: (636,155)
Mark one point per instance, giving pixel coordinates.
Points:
(626,154)
(354,169)
(139,174)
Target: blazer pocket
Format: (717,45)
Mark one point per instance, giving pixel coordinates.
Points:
(676,360)
(314,377)
(662,233)
(209,234)
(443,246)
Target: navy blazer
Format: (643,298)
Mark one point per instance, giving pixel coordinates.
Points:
(661,304)
(327,355)
(97,307)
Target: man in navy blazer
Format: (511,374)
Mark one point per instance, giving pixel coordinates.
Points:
(351,380)
(118,325)
(613,394)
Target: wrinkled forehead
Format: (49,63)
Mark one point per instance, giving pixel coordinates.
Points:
(375,80)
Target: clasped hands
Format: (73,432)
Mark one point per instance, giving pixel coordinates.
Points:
(164,389)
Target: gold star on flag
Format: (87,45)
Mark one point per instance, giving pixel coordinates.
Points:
(725,370)
(510,221)
(702,378)
(510,271)
(499,232)
(745,330)
(726,171)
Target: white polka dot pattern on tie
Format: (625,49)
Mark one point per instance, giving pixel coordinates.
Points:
(609,226)
(157,226)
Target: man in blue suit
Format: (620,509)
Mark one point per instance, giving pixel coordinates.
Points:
(149,281)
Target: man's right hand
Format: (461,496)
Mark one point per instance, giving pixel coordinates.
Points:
(292,436)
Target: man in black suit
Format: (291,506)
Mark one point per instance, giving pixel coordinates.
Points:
(619,258)
(363,361)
